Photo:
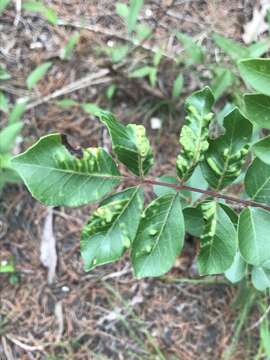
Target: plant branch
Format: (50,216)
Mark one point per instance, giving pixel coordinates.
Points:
(201,191)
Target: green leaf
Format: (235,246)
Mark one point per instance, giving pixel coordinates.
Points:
(130,144)
(237,271)
(231,213)
(134,10)
(194,52)
(160,190)
(218,242)
(141,72)
(143,31)
(257,109)
(253,236)
(258,48)
(7,268)
(265,334)
(67,103)
(110,91)
(257,181)
(222,81)
(112,228)
(56,177)
(226,154)
(122,10)
(197,181)
(153,77)
(17,111)
(37,74)
(3,102)
(256,73)
(194,134)
(160,237)
(3,5)
(260,278)
(231,47)
(194,223)
(4,75)
(177,86)
(67,50)
(91,108)
(118,53)
(8,136)
(262,149)
(36,6)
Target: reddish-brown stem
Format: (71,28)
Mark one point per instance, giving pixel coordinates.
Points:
(201,191)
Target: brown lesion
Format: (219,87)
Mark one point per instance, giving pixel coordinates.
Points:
(75,151)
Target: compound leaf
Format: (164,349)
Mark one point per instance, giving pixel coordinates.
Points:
(160,237)
(194,133)
(226,154)
(55,176)
(256,72)
(218,242)
(253,236)
(130,144)
(112,228)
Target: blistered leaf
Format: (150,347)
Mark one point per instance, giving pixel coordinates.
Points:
(257,181)
(256,72)
(226,154)
(257,109)
(235,50)
(237,270)
(160,237)
(8,136)
(253,236)
(130,144)
(194,134)
(218,242)
(194,52)
(57,175)
(112,228)
(37,74)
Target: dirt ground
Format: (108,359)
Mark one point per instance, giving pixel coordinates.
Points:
(106,313)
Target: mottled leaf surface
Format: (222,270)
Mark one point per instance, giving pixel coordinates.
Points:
(56,177)
(218,242)
(194,134)
(111,228)
(130,144)
(226,154)
(160,237)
